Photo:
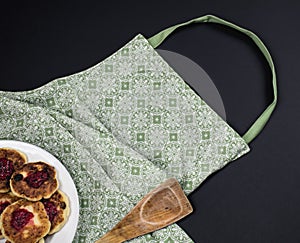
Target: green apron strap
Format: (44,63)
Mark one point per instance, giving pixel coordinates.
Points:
(261,121)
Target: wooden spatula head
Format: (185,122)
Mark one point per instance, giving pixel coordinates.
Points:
(163,206)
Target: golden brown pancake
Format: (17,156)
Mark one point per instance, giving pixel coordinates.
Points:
(40,241)
(58,210)
(25,221)
(34,181)
(5,200)
(10,160)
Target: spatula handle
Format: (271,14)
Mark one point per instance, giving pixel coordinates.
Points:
(111,237)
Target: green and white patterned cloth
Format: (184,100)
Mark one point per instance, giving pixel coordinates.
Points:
(121,128)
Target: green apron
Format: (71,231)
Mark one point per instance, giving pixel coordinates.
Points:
(123,126)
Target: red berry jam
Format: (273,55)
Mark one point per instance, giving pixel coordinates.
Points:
(3,205)
(6,168)
(36,179)
(20,218)
(51,210)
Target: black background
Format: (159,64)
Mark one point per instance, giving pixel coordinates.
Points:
(255,199)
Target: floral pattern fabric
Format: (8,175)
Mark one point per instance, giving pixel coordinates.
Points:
(121,128)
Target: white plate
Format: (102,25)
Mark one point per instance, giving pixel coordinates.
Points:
(66,184)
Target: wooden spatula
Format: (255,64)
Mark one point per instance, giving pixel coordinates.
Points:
(162,206)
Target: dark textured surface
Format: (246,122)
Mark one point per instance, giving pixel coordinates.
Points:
(255,199)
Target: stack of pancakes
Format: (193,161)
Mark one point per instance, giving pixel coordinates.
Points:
(31,205)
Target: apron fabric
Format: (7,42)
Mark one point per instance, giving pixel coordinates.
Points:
(124,126)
